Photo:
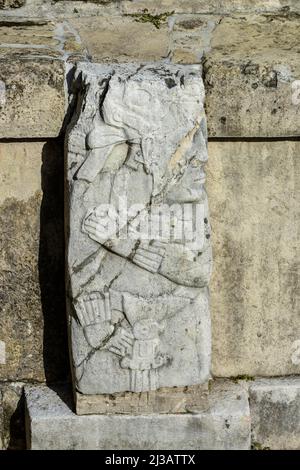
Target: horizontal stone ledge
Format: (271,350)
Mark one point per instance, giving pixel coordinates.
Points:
(212,6)
(251,66)
(222,422)
(275,413)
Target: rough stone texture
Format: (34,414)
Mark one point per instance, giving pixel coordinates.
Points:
(11,3)
(139,315)
(12,430)
(251,62)
(32,76)
(249,72)
(203,6)
(254,192)
(191,37)
(32,319)
(223,422)
(275,414)
(165,400)
(115,39)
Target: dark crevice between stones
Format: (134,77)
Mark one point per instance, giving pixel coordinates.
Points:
(52,264)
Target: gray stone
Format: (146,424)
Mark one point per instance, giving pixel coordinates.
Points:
(275,413)
(223,422)
(139,315)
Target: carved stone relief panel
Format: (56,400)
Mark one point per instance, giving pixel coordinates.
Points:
(138,234)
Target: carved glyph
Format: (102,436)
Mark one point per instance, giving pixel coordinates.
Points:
(138,232)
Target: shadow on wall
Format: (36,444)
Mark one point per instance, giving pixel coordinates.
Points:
(51,267)
(52,264)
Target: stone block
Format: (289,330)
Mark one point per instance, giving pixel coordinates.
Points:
(122,39)
(253,188)
(32,319)
(32,97)
(223,423)
(250,73)
(33,55)
(275,413)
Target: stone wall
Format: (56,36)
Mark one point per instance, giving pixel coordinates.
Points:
(250,57)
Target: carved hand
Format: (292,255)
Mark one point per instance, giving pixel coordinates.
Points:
(121,342)
(148,256)
(101,224)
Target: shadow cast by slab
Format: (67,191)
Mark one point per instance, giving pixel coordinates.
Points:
(51,264)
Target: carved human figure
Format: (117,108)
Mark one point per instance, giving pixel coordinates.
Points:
(146,146)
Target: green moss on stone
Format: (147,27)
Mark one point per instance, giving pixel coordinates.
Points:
(146,17)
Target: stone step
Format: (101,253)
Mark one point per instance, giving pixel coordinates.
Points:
(221,422)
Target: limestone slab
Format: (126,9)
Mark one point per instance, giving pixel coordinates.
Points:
(275,413)
(138,300)
(254,192)
(223,423)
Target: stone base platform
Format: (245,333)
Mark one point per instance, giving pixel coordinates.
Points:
(220,420)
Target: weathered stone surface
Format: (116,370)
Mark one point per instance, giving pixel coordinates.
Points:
(165,400)
(12,429)
(275,413)
(223,422)
(32,76)
(139,315)
(213,6)
(33,99)
(32,319)
(249,75)
(115,39)
(191,37)
(254,192)
(11,3)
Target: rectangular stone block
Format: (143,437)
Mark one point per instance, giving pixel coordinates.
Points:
(252,72)
(275,413)
(33,56)
(117,38)
(138,237)
(32,318)
(223,423)
(254,193)
(32,97)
